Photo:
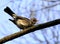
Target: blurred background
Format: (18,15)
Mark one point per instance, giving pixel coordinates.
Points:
(44,11)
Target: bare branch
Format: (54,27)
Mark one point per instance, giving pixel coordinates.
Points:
(51,0)
(46,7)
(29,30)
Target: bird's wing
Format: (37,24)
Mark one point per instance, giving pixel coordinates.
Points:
(19,26)
(13,21)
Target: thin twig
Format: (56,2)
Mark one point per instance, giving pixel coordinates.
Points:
(46,7)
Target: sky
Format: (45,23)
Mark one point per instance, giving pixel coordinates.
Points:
(49,35)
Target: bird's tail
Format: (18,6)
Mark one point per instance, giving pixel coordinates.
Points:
(9,11)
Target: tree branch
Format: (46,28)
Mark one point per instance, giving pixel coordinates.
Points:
(53,5)
(28,30)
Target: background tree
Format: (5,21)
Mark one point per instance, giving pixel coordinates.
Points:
(44,13)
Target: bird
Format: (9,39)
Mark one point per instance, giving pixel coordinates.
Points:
(19,21)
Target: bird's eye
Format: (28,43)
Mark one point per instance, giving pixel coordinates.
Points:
(34,19)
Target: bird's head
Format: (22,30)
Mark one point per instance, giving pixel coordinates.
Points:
(34,20)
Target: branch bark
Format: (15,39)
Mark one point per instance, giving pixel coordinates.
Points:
(29,30)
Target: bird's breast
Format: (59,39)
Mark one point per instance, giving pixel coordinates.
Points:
(22,22)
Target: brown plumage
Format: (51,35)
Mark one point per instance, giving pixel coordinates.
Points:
(21,22)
